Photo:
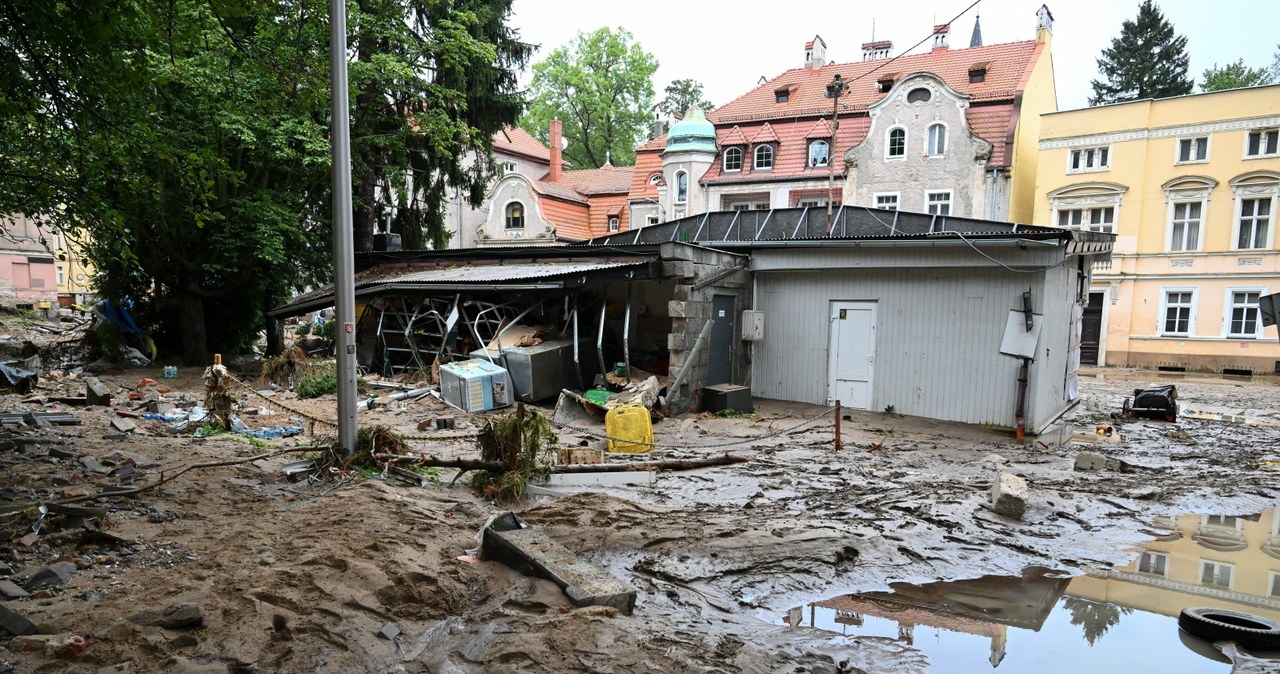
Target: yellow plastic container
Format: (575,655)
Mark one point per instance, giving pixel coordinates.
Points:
(629,429)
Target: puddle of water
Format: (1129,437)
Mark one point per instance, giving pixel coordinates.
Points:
(1117,619)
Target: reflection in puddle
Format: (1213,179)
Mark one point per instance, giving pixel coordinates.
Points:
(1118,619)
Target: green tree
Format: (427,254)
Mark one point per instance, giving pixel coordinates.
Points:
(432,81)
(1234,76)
(682,95)
(1095,618)
(186,140)
(600,86)
(1147,60)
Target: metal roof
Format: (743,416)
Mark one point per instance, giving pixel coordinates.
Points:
(442,273)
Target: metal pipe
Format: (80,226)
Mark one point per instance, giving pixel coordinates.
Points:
(507,327)
(343,238)
(600,335)
(673,390)
(837,425)
(626,335)
(577,361)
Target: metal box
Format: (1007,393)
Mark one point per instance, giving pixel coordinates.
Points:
(541,371)
(752,325)
(726,397)
(475,385)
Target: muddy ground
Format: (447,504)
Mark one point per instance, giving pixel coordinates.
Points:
(301,577)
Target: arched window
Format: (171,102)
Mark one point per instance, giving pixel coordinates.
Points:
(764,157)
(733,159)
(515,215)
(937,140)
(818,153)
(897,143)
(682,187)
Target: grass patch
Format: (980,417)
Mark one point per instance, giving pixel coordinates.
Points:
(316,382)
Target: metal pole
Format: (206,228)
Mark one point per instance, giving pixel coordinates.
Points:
(344,291)
(834,90)
(838,425)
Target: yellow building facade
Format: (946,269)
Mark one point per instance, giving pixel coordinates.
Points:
(1189,185)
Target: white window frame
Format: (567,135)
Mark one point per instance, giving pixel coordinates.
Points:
(651,220)
(1200,225)
(929,149)
(888,143)
(1262,148)
(615,223)
(681,180)
(1196,142)
(1218,566)
(1273,583)
(62,276)
(928,203)
(506,215)
(826,153)
(1162,318)
(724,166)
(812,202)
(1089,218)
(1163,557)
(509,167)
(1229,307)
(896,196)
(1089,159)
(1262,186)
(758,153)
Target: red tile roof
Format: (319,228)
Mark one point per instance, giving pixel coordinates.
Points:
(792,159)
(607,179)
(734,137)
(821,129)
(648,162)
(547,189)
(515,140)
(995,123)
(659,144)
(765,135)
(1009,66)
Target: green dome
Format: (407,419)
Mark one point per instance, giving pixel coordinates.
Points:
(693,133)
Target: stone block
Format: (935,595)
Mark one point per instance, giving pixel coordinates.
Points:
(10,590)
(54,575)
(681,292)
(16,624)
(1009,496)
(96,393)
(389,632)
(175,617)
(1088,461)
(676,309)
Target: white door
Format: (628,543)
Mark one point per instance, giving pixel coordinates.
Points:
(852,353)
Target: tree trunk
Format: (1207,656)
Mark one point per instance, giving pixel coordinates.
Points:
(195,348)
(275,328)
(364,213)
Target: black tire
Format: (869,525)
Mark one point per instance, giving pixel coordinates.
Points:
(1252,632)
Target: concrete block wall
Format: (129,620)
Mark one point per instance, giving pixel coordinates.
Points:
(690,308)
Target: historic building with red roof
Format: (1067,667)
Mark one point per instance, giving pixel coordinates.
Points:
(949,131)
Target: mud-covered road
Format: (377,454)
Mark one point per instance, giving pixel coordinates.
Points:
(296,577)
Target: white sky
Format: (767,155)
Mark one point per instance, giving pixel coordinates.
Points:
(727,46)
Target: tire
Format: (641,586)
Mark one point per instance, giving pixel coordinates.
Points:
(1252,632)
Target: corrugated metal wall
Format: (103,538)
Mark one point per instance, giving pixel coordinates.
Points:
(938,333)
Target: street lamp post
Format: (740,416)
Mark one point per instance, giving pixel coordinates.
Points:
(834,91)
(343,245)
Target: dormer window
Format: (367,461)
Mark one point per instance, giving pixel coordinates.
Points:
(614,223)
(884,85)
(782,95)
(818,152)
(515,215)
(733,159)
(764,158)
(977,73)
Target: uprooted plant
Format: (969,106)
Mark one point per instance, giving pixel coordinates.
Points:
(524,442)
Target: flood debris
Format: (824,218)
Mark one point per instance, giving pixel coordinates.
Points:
(1009,496)
(1156,402)
(510,540)
(17,379)
(1093,461)
(15,623)
(173,617)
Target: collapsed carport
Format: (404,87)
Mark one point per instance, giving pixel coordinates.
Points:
(609,308)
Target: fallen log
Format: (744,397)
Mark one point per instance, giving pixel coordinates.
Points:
(620,467)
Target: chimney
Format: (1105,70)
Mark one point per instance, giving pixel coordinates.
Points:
(659,126)
(872,51)
(940,34)
(1044,24)
(815,53)
(556,139)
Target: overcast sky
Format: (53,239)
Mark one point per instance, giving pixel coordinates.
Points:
(728,45)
